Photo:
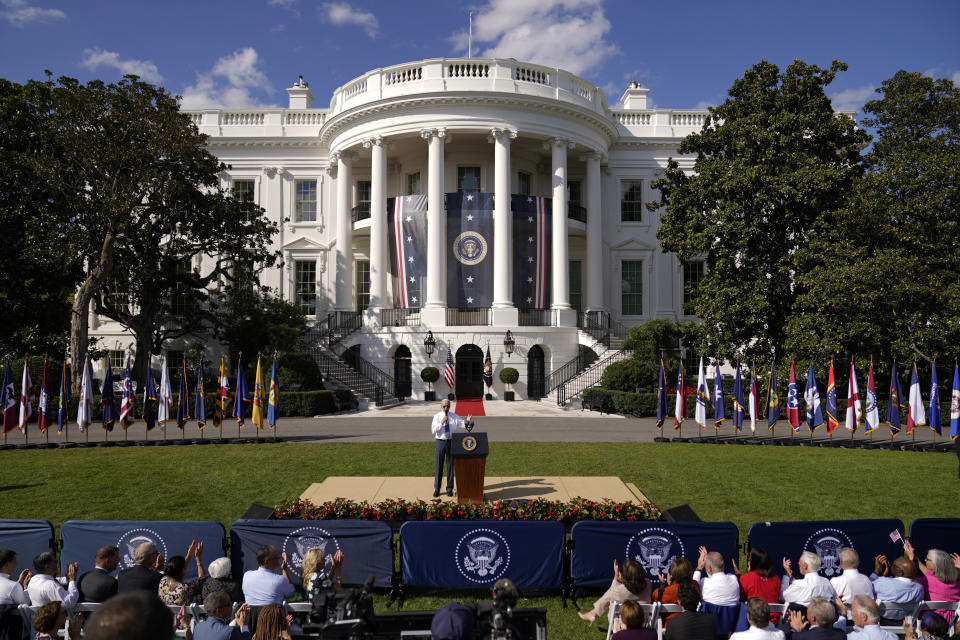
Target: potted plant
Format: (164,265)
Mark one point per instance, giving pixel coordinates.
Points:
(430,375)
(509,376)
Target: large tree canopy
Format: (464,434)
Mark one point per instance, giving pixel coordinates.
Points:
(771,161)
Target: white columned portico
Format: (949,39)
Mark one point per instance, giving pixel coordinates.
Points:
(504,311)
(566,317)
(344,247)
(435,309)
(594,234)
(378,222)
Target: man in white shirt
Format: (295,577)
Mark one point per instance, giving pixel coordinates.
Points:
(263,586)
(851,582)
(11,591)
(718,588)
(444,424)
(758,614)
(45,587)
(812,584)
(866,617)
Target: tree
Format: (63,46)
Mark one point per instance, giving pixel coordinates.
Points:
(652,341)
(771,161)
(883,278)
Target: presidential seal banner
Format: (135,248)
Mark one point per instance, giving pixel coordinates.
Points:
(470,247)
(407,222)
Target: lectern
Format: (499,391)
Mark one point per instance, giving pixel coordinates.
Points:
(470,452)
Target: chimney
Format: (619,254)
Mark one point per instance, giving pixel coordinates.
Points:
(635,97)
(300,95)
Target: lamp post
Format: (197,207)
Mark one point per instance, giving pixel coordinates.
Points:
(508,343)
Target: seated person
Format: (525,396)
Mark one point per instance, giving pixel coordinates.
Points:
(263,586)
(97,584)
(820,624)
(758,614)
(933,626)
(895,583)
(314,575)
(690,624)
(851,582)
(272,624)
(145,573)
(759,581)
(12,591)
(939,575)
(632,584)
(217,625)
(718,588)
(137,615)
(172,588)
(453,621)
(45,587)
(810,585)
(51,617)
(631,623)
(218,579)
(866,617)
(681,572)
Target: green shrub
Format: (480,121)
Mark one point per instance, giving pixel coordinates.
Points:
(509,375)
(622,376)
(430,374)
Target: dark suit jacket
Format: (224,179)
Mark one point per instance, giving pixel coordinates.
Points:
(691,625)
(96,586)
(138,578)
(217,629)
(818,633)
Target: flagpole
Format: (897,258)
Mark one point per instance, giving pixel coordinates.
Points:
(239,362)
(257,427)
(277,409)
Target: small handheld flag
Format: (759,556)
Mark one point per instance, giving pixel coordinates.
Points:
(273,400)
(872,412)
(811,397)
(126,399)
(754,399)
(895,536)
(84,416)
(793,399)
(661,398)
(895,406)
(242,399)
(700,413)
(680,406)
(955,404)
(149,399)
(773,398)
(831,409)
(63,408)
(719,414)
(166,395)
(854,408)
(108,401)
(200,403)
(738,406)
(258,400)
(917,416)
(45,419)
(27,398)
(934,399)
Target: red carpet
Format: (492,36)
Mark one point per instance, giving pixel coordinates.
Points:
(469,407)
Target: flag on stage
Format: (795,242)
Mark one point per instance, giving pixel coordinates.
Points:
(27,398)
(872,412)
(223,396)
(680,406)
(793,399)
(895,406)
(258,400)
(407,222)
(934,399)
(469,240)
(273,401)
(531,251)
(955,404)
(773,399)
(200,403)
(719,413)
(183,398)
(63,408)
(166,395)
(854,408)
(44,419)
(126,399)
(833,421)
(108,401)
(754,399)
(8,400)
(448,372)
(917,416)
(738,406)
(488,369)
(661,398)
(811,397)
(700,412)
(85,401)
(149,399)
(242,399)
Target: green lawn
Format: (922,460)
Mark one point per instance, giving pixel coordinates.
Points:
(742,484)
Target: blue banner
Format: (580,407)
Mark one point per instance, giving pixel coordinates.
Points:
(407,224)
(596,544)
(366,545)
(470,247)
(28,538)
(826,538)
(82,538)
(475,554)
(531,251)
(934,533)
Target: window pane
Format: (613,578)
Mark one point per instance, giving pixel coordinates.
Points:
(243,190)
(523,183)
(117,360)
(306,208)
(692,274)
(413,183)
(631,200)
(576,290)
(573,192)
(363,284)
(631,284)
(305,286)
(468,178)
(363,191)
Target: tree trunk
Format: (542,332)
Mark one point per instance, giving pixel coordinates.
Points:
(142,357)
(79,318)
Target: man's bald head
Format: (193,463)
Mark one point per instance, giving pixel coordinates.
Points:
(903,568)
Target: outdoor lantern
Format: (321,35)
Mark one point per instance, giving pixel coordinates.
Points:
(429,344)
(508,342)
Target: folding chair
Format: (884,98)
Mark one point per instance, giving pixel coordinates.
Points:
(908,608)
(933,605)
(649,614)
(662,609)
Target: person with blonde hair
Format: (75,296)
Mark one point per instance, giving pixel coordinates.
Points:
(314,574)
(272,624)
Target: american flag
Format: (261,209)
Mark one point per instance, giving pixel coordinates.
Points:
(126,399)
(531,251)
(407,218)
(448,373)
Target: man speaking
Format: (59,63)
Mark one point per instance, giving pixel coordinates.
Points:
(445,422)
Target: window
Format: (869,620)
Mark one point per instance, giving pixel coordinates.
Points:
(692,275)
(305,286)
(631,200)
(243,190)
(117,360)
(413,183)
(574,194)
(180,300)
(631,285)
(363,284)
(117,297)
(306,207)
(363,191)
(175,363)
(576,286)
(523,183)
(468,178)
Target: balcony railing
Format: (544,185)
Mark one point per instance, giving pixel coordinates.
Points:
(400,317)
(360,212)
(536,317)
(577,212)
(468,317)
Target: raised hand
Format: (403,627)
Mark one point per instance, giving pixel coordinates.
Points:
(796,620)
(908,549)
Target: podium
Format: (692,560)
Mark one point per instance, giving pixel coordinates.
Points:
(470,451)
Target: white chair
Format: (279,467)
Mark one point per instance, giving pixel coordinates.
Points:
(932,605)
(649,614)
(908,608)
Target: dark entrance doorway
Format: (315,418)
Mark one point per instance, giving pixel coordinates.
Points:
(535,373)
(402,380)
(469,370)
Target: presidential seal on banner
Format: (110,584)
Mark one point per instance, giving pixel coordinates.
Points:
(129,541)
(827,543)
(299,541)
(482,555)
(655,548)
(470,248)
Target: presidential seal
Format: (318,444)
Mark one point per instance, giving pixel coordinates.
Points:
(482,556)
(470,248)
(299,541)
(129,541)
(469,443)
(655,549)
(827,544)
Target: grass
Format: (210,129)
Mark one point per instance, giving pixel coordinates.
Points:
(742,484)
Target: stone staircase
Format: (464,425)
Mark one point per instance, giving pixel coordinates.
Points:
(589,376)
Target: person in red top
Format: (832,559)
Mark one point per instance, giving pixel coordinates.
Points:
(681,572)
(759,581)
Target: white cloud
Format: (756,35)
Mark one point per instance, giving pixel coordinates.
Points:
(341,13)
(229,84)
(853,99)
(18,13)
(558,33)
(703,105)
(956,78)
(281,3)
(94,58)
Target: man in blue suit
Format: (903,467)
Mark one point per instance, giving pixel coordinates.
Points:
(215,627)
(821,616)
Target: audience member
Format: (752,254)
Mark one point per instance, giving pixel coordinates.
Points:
(135,615)
(939,577)
(217,626)
(819,624)
(217,579)
(718,588)
(681,572)
(272,624)
(97,584)
(933,626)
(812,584)
(691,624)
(51,617)
(866,616)
(851,582)
(172,589)
(263,586)
(453,621)
(758,615)
(314,575)
(631,584)
(44,586)
(895,584)
(145,574)
(759,581)
(631,621)
(12,591)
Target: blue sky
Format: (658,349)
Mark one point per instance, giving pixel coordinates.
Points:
(244,53)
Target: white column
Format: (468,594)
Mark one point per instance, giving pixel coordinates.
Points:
(502,220)
(344,268)
(378,222)
(436,222)
(560,266)
(594,283)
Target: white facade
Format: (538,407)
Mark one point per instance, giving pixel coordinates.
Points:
(528,129)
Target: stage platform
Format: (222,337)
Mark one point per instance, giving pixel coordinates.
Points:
(378,488)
